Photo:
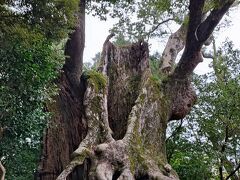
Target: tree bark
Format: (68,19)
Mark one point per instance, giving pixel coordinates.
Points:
(138,149)
(115,119)
(67,127)
(74,48)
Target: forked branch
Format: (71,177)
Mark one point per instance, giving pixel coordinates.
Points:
(198,32)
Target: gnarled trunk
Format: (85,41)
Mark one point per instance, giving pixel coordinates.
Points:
(118,116)
(125,96)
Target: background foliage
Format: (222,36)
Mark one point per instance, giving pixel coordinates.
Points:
(30,61)
(209,138)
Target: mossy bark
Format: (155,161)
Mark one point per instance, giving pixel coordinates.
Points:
(113,123)
(127,111)
(66,129)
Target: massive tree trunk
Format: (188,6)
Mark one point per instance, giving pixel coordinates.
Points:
(67,127)
(113,122)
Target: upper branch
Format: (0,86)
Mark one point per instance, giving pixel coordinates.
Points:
(75,47)
(195,18)
(206,27)
(198,33)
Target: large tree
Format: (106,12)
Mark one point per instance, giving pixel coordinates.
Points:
(111,124)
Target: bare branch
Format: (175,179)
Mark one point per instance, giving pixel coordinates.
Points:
(233,172)
(175,44)
(108,38)
(157,26)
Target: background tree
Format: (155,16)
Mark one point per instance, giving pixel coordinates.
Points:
(212,128)
(30,61)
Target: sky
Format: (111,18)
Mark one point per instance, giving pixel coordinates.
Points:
(97,31)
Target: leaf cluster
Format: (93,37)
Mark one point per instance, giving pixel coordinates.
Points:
(30,61)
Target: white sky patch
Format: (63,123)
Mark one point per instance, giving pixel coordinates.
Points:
(97,31)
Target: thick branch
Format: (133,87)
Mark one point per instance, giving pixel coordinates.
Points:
(206,27)
(175,44)
(198,33)
(195,18)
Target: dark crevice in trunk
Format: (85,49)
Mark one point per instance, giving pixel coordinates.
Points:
(65,131)
(126,68)
(116,175)
(80,172)
(74,48)
(143,177)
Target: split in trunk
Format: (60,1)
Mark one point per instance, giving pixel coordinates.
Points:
(122,110)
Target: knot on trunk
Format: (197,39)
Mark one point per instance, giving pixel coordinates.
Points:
(183,98)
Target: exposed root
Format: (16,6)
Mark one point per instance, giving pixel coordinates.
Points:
(98,129)
(2,171)
(104,171)
(141,152)
(134,116)
(75,162)
(133,157)
(110,158)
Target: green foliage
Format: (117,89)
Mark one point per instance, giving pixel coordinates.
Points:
(120,40)
(189,157)
(49,17)
(96,79)
(141,19)
(30,61)
(191,166)
(210,137)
